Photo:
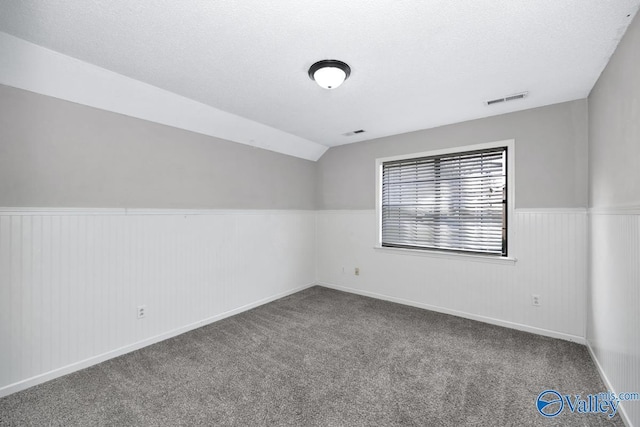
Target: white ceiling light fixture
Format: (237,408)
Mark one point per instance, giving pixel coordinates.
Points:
(329,73)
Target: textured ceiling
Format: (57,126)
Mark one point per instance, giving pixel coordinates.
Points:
(415,64)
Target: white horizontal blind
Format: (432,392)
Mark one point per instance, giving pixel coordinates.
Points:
(451,202)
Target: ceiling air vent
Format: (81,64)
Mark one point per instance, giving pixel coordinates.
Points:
(353,132)
(508,98)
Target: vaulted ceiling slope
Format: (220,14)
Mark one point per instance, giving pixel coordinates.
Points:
(238,70)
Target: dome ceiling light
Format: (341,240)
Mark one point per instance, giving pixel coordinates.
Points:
(329,73)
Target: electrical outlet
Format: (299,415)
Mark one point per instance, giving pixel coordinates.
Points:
(535,300)
(142,311)
(357,272)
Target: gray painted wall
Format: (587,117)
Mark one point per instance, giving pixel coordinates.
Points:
(55,153)
(614,271)
(551,157)
(614,127)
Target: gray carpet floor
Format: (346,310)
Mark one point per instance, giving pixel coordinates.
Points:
(323,357)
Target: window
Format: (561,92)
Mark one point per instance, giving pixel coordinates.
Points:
(456,200)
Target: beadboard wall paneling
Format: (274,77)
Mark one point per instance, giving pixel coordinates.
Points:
(550,247)
(70,280)
(613,328)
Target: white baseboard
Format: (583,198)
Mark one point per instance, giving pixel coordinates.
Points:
(490,320)
(608,385)
(47,376)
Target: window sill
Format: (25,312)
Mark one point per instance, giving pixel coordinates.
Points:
(448,255)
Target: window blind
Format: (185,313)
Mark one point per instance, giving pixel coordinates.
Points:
(453,202)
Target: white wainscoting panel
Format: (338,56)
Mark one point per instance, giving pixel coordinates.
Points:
(613,328)
(550,247)
(70,280)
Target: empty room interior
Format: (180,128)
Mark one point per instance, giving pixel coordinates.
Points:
(320,213)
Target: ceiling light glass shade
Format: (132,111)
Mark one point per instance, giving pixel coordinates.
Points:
(329,77)
(329,73)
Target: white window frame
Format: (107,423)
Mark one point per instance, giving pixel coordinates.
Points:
(509,258)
